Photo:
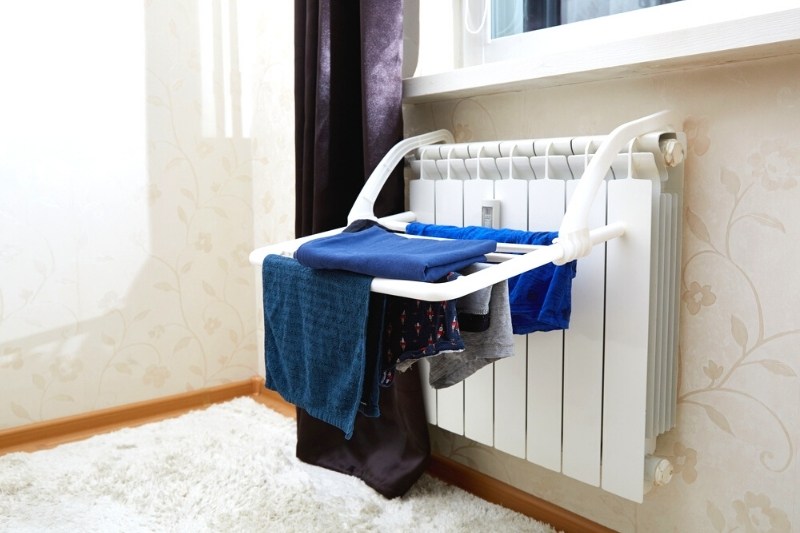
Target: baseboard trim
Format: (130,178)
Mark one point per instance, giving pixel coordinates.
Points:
(49,433)
(495,491)
(275,401)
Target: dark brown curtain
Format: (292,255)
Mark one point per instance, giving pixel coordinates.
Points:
(348,91)
(348,58)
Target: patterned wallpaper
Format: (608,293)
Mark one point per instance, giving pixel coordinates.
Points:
(125,226)
(126,223)
(735,444)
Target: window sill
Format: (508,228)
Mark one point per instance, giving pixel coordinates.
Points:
(759,37)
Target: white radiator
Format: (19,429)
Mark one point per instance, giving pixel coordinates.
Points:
(589,401)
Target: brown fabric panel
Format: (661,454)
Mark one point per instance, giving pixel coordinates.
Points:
(388,453)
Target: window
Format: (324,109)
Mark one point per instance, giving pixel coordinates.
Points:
(495,30)
(510,17)
(669,36)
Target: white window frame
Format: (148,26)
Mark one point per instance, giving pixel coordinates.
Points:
(480,47)
(690,33)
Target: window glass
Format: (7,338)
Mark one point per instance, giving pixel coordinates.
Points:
(510,17)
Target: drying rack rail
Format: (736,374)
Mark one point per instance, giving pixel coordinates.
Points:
(575,238)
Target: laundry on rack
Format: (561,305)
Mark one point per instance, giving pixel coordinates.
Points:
(315,324)
(416,329)
(373,365)
(540,299)
(480,347)
(368,248)
(433,330)
(474,308)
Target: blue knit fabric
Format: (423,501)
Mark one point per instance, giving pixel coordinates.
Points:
(315,332)
(540,299)
(379,253)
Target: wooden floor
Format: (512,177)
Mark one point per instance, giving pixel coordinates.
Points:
(48,434)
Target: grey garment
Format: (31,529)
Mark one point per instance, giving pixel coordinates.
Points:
(475,303)
(481,348)
(402,366)
(473,308)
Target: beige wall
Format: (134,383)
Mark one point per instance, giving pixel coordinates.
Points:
(735,445)
(126,216)
(132,177)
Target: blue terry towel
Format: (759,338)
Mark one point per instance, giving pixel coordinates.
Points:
(540,299)
(315,333)
(380,253)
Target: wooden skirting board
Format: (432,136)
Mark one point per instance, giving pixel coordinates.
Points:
(42,435)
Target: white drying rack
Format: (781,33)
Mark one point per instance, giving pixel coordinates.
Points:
(575,239)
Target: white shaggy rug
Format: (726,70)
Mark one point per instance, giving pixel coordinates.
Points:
(228,468)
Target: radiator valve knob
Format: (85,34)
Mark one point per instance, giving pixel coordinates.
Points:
(658,470)
(673,152)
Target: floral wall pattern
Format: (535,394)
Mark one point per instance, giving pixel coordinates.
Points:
(124,242)
(123,256)
(735,444)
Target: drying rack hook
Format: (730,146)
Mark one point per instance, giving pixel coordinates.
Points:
(363,207)
(573,234)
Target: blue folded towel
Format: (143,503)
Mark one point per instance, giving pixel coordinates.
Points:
(540,299)
(315,333)
(379,253)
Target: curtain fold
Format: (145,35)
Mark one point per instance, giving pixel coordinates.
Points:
(348,114)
